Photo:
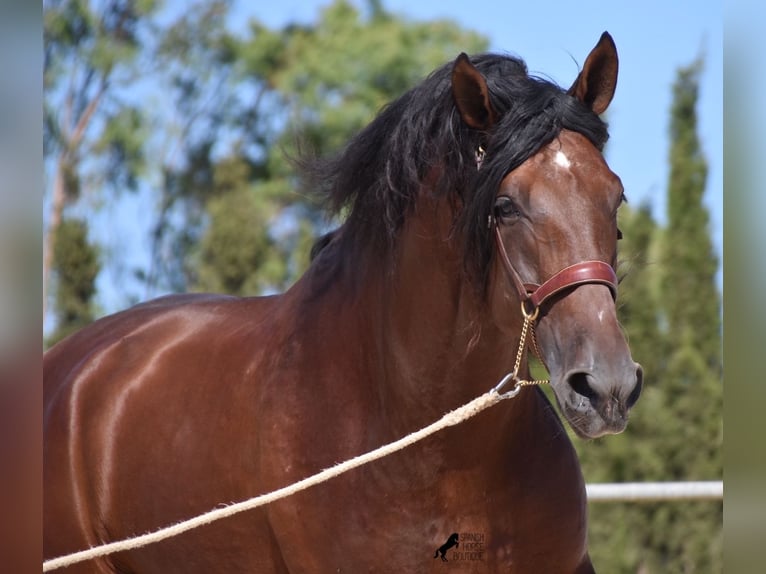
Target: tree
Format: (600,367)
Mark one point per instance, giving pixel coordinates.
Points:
(690,264)
(92,136)
(201,111)
(693,314)
(233,254)
(75,265)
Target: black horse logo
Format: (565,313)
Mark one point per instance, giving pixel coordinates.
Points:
(451,541)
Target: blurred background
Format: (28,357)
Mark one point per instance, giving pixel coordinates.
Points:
(168,128)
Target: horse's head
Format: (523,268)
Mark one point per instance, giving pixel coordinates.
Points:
(555,209)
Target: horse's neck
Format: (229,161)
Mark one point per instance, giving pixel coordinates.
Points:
(442,347)
(416,332)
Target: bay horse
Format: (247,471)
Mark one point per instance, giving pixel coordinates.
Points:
(463,196)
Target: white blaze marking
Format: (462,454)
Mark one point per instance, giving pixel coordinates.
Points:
(562,159)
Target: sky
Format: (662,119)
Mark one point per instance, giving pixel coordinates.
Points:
(654,38)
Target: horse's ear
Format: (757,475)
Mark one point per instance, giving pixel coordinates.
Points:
(469,89)
(597,81)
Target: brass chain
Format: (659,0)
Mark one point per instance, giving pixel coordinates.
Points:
(529,319)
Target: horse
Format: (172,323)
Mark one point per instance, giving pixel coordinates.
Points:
(476,202)
(453,540)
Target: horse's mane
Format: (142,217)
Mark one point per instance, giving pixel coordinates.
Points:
(380,172)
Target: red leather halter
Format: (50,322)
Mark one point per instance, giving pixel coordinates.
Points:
(568,278)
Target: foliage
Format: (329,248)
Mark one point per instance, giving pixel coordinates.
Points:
(234,251)
(90,55)
(689,260)
(93,138)
(76,266)
(195,103)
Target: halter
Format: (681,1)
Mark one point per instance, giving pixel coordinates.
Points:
(533,296)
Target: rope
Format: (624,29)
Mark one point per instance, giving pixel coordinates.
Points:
(450,419)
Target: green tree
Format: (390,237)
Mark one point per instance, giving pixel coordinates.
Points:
(690,263)
(201,108)
(75,267)
(92,136)
(693,383)
(233,254)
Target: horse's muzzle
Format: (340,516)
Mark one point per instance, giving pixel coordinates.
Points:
(596,405)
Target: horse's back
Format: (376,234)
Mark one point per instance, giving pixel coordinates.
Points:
(146,329)
(141,405)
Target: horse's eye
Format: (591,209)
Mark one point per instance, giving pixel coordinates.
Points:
(619,234)
(505,208)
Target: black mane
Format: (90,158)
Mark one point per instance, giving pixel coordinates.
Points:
(380,172)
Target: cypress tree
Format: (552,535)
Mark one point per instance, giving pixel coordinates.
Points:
(690,295)
(688,536)
(76,266)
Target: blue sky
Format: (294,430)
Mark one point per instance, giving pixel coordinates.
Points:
(653,39)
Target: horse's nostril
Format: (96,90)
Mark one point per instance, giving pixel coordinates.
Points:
(579,383)
(636,392)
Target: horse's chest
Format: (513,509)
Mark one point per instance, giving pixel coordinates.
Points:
(362,527)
